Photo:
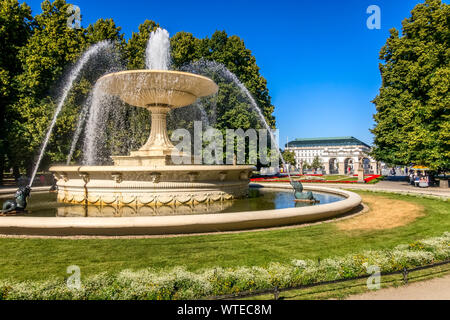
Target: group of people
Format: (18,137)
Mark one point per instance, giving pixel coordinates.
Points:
(419,179)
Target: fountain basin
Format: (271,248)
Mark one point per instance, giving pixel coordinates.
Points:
(182,224)
(151,186)
(147,88)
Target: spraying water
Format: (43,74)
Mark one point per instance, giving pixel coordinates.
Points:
(157,53)
(79,129)
(84,112)
(214,68)
(157,57)
(99,110)
(73,75)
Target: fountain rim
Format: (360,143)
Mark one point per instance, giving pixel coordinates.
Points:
(167,168)
(177,225)
(175,72)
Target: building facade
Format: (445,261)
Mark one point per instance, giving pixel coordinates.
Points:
(338,155)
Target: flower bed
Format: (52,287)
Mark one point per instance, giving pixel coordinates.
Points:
(279,179)
(179,283)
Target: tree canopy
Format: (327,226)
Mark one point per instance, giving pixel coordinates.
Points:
(413,117)
(289,157)
(15,28)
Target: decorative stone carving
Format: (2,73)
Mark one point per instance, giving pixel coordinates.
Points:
(166,199)
(216,197)
(93,199)
(72,197)
(146,199)
(85,177)
(201,198)
(64,176)
(193,176)
(128,199)
(184,198)
(155,177)
(109,199)
(222,176)
(117,177)
(244,175)
(78,198)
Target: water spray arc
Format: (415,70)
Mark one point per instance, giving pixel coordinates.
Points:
(73,76)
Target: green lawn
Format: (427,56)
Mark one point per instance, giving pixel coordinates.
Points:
(340,177)
(24,259)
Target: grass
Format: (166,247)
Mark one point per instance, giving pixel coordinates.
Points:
(38,259)
(339,177)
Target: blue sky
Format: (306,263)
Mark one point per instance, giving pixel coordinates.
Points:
(319,57)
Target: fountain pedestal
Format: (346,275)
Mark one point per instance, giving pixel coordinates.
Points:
(158,149)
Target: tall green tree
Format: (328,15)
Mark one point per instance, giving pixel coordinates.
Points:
(45,59)
(15,29)
(186,48)
(232,52)
(137,44)
(316,163)
(48,52)
(289,157)
(413,115)
(230,109)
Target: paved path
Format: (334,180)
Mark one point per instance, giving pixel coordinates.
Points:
(390,186)
(435,289)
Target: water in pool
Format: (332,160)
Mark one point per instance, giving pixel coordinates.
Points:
(46,205)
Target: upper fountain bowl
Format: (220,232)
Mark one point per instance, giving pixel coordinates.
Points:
(148,88)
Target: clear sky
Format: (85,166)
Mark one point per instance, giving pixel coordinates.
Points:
(319,57)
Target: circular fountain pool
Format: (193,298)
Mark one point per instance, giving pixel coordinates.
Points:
(45,205)
(267,206)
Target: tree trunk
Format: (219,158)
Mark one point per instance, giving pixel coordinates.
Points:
(16,172)
(2,168)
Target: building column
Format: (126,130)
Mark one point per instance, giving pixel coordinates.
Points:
(376,167)
(326,164)
(342,168)
(355,166)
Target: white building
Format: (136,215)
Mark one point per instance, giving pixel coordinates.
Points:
(338,155)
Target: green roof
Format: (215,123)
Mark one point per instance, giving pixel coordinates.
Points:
(330,141)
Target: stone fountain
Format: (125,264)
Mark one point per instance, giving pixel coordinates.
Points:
(148,177)
(146,193)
